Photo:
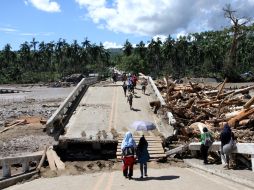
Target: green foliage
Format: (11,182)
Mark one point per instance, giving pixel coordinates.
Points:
(205,54)
(40,61)
(202,54)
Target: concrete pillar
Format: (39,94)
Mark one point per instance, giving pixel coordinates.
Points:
(25,166)
(194,153)
(6,170)
(252,162)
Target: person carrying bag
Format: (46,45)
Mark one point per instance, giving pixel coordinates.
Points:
(206,142)
(228,144)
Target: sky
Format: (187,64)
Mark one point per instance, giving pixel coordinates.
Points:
(111,22)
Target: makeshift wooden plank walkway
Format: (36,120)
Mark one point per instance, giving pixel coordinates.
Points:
(155,147)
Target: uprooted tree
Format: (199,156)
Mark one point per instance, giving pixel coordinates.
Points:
(237,30)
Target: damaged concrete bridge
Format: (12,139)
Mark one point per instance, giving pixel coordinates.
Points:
(95,118)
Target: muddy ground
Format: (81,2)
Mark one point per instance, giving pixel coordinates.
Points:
(36,104)
(84,167)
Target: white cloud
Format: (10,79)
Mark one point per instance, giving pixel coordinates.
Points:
(36,34)
(28,34)
(163,38)
(45,5)
(181,33)
(91,3)
(108,45)
(161,17)
(7,30)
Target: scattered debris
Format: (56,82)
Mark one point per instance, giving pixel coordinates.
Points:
(195,106)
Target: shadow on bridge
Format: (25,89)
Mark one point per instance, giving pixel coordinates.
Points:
(169,177)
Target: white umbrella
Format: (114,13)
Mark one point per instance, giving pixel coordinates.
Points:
(143,125)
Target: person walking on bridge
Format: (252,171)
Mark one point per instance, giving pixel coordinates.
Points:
(124,88)
(128,147)
(130,99)
(143,155)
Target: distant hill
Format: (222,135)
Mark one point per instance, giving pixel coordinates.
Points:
(115,51)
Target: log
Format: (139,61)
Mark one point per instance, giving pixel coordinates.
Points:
(190,102)
(195,89)
(219,85)
(59,164)
(243,90)
(177,150)
(50,159)
(210,103)
(221,88)
(231,114)
(175,96)
(42,159)
(11,126)
(244,122)
(242,115)
(249,103)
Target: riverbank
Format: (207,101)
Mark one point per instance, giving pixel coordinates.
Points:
(36,104)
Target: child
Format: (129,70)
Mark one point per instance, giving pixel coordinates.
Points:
(129,99)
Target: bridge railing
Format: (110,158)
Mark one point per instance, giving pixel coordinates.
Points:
(24,160)
(241,148)
(63,108)
(156,91)
(7,179)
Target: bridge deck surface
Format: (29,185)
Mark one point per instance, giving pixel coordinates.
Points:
(103,108)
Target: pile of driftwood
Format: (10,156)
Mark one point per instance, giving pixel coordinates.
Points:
(195,106)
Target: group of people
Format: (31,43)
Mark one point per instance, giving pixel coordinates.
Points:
(227,144)
(131,152)
(129,84)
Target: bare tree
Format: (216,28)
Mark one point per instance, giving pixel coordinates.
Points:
(237,28)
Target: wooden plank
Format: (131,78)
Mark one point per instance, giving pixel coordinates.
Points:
(59,164)
(177,150)
(38,168)
(243,114)
(149,149)
(9,127)
(50,159)
(221,88)
(150,152)
(139,136)
(149,145)
(249,103)
(151,156)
